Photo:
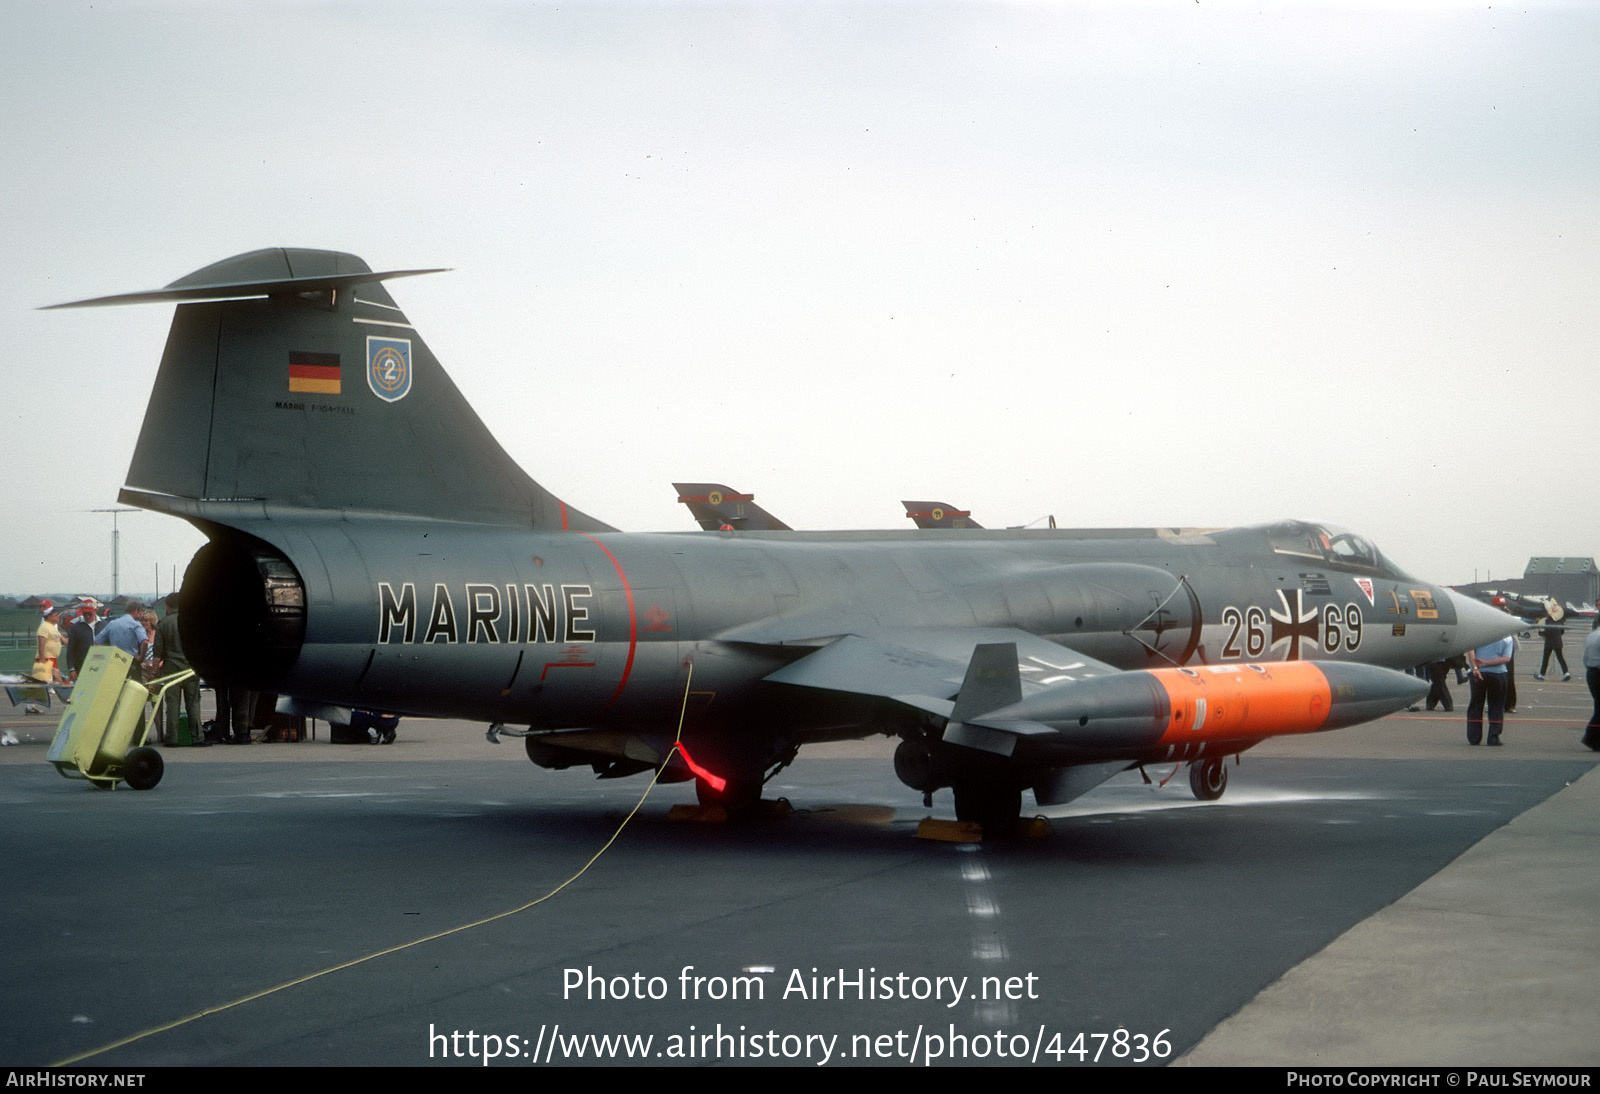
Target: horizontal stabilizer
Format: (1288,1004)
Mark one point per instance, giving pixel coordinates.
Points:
(274,271)
(923,667)
(862,666)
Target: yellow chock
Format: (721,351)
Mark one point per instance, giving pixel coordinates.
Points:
(1033,828)
(950,831)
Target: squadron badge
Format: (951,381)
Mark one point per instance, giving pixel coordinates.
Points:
(389,368)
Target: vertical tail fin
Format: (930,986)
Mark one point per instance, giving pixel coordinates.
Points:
(717,506)
(939,514)
(291,380)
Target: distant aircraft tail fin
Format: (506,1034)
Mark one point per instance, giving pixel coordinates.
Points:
(292,381)
(939,514)
(719,507)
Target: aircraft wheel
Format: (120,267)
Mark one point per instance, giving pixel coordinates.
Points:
(142,768)
(1208,778)
(998,809)
(739,795)
(914,765)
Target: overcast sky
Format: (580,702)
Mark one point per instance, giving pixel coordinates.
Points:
(1163,263)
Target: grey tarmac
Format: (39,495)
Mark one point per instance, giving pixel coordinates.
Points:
(1379,894)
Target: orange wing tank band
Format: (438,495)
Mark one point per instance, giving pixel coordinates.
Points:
(1230,701)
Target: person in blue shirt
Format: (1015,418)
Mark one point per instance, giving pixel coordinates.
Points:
(1489,676)
(126,633)
(1591,669)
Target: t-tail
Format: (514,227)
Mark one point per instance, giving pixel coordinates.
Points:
(292,382)
(293,397)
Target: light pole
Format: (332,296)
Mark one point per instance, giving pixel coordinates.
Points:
(116,547)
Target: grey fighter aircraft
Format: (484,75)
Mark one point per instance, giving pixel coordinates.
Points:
(371,545)
(1531,608)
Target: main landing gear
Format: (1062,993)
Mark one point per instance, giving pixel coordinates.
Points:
(743,778)
(738,797)
(996,807)
(987,797)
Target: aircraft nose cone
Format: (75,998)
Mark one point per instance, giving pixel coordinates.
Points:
(1477,624)
(1364,692)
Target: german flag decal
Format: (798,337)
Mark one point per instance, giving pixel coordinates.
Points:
(317,373)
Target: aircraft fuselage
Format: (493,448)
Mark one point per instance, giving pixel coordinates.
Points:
(563,630)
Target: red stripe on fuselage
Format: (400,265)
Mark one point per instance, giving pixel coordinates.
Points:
(633,619)
(548,665)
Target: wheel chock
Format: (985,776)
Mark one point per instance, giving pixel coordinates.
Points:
(950,831)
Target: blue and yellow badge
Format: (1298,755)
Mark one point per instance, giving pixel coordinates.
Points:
(389,368)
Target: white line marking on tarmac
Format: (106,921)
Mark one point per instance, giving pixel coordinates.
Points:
(988,941)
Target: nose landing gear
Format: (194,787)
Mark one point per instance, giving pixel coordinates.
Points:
(1208,778)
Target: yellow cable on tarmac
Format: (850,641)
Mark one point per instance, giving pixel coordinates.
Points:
(174,1024)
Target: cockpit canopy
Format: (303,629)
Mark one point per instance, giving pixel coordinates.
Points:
(1332,546)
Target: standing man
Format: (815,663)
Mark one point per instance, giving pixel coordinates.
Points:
(234,708)
(1553,633)
(80,636)
(1511,679)
(1591,668)
(126,633)
(169,652)
(1489,675)
(1439,685)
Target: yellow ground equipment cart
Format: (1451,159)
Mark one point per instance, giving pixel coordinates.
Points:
(102,733)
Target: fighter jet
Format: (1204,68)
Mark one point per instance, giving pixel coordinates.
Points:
(720,508)
(370,545)
(1530,609)
(1587,615)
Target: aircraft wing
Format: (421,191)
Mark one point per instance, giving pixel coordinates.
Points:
(1016,686)
(924,667)
(962,674)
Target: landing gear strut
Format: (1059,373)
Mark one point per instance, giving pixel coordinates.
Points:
(738,797)
(743,780)
(996,807)
(1208,778)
